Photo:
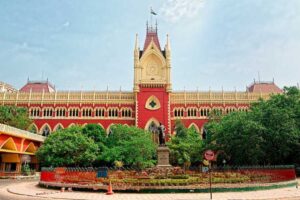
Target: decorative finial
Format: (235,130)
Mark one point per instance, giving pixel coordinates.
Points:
(147,25)
(168,47)
(136,42)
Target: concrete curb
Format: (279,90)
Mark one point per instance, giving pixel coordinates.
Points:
(40,194)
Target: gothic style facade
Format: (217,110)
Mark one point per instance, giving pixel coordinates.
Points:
(151,102)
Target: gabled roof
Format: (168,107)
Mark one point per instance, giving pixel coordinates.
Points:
(151,35)
(264,87)
(38,86)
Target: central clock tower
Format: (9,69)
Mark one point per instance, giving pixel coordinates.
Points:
(152,82)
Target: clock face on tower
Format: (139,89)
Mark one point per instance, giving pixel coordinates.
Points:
(152,69)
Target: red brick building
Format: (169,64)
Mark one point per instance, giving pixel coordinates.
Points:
(151,102)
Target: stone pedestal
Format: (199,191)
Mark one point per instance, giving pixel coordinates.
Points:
(163,153)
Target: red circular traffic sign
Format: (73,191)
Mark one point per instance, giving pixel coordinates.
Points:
(209,155)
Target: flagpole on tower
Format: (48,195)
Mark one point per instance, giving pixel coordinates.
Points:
(152,13)
(151,17)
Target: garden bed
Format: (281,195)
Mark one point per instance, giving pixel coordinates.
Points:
(219,187)
(161,179)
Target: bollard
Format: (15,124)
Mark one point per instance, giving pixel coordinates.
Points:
(62,189)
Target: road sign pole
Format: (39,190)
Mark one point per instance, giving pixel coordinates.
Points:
(209,155)
(210,180)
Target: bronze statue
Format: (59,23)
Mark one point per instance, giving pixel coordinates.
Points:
(161,131)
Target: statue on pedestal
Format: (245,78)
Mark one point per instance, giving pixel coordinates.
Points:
(163,151)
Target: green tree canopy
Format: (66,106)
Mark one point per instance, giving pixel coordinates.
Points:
(268,134)
(67,147)
(186,146)
(15,116)
(131,145)
(95,132)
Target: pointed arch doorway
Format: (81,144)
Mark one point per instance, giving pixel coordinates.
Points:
(152,126)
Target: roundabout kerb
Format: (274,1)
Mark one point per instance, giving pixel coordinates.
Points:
(170,179)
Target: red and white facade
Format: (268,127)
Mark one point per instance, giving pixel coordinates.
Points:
(151,102)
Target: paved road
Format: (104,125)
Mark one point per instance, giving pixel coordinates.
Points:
(7,196)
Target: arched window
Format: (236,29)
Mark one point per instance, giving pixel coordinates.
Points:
(113,112)
(194,126)
(243,109)
(204,112)
(32,128)
(126,112)
(58,127)
(47,112)
(109,129)
(100,112)
(86,112)
(73,112)
(229,110)
(178,112)
(61,112)
(192,112)
(153,127)
(46,131)
(218,110)
(34,112)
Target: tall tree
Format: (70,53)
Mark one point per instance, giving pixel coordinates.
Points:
(15,116)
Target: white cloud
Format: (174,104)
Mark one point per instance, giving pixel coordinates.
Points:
(66,24)
(174,10)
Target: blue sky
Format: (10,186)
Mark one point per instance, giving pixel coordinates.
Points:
(87,45)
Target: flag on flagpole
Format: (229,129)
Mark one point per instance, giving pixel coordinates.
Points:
(152,12)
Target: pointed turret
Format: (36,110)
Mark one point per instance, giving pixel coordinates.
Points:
(168,63)
(136,63)
(151,36)
(136,48)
